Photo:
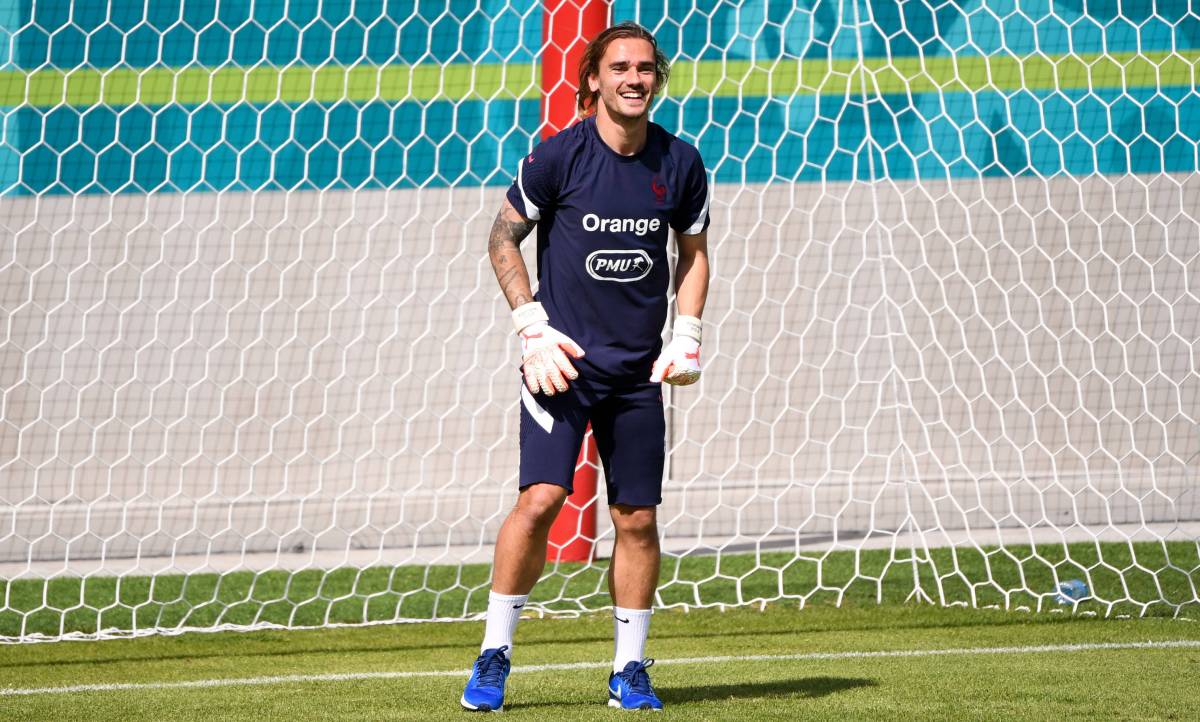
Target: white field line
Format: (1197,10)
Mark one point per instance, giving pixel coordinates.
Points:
(814,656)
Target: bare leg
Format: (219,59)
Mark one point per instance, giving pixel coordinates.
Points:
(633,571)
(521,545)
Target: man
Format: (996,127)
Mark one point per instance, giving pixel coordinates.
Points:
(602,194)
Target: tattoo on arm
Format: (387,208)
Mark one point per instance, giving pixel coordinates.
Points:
(508,230)
(507,277)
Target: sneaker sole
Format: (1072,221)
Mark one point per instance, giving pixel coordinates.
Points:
(470,708)
(616,704)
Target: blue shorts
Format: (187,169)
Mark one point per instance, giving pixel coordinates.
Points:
(627,424)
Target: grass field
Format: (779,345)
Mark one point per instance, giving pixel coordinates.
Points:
(893,661)
(1145,578)
(1130,652)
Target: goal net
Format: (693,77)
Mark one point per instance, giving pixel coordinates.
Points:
(255,368)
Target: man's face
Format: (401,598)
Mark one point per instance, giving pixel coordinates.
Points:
(626,78)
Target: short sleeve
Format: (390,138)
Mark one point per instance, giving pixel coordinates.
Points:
(536,186)
(691,215)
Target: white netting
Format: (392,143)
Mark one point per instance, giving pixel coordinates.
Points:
(256,369)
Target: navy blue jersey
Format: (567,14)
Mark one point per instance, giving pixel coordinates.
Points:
(603,222)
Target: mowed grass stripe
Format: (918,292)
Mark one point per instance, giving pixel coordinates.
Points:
(785,77)
(724,659)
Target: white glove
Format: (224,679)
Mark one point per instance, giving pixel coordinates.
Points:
(679,363)
(544,351)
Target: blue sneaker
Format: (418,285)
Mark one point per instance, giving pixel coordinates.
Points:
(630,688)
(485,688)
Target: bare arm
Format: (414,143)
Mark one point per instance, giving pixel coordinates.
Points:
(691,275)
(544,351)
(508,230)
(679,362)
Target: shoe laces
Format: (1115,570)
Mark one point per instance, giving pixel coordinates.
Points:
(636,676)
(491,666)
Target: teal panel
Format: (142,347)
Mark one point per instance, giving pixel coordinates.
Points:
(10,140)
(172,144)
(907,28)
(137,33)
(749,140)
(173,148)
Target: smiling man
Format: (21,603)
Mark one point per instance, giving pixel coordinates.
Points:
(603,195)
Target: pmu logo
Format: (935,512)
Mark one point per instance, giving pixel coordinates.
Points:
(619,266)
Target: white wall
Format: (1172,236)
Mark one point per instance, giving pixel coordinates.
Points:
(233,372)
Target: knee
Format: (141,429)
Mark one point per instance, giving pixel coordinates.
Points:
(538,504)
(636,522)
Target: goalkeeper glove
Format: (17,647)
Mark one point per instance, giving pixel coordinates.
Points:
(679,363)
(544,351)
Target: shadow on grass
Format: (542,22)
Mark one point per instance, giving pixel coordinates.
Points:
(805,688)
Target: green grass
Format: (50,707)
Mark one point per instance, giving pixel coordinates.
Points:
(783,77)
(1014,685)
(1157,579)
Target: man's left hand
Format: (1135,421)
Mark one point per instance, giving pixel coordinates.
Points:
(679,363)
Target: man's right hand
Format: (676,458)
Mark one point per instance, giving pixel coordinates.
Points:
(545,352)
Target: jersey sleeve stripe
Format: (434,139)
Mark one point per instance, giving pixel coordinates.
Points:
(531,211)
(699,224)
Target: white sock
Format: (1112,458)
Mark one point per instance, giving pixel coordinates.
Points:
(630,627)
(503,612)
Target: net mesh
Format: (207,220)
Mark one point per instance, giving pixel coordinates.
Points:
(256,369)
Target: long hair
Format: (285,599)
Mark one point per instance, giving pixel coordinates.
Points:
(589,64)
